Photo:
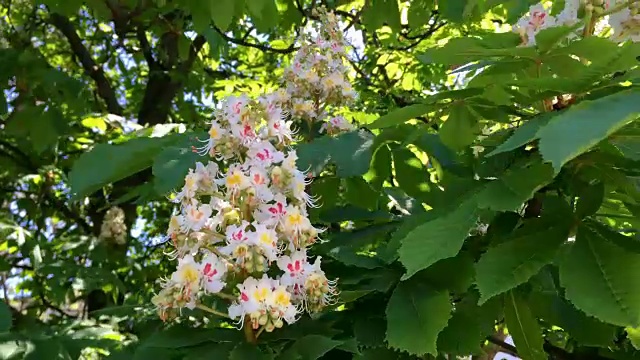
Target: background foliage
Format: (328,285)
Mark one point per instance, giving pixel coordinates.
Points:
(449,211)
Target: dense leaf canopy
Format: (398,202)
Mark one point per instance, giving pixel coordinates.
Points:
(489,189)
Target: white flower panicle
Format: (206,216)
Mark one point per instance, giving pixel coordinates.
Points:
(245,217)
(623,21)
(317,78)
(113,226)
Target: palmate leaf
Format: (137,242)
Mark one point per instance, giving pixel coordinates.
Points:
(581,127)
(514,262)
(600,279)
(416,309)
(437,239)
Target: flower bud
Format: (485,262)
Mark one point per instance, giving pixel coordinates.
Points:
(269,327)
(278,323)
(262,320)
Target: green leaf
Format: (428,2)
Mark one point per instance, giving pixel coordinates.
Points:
(548,38)
(222,12)
(264,14)
(469,326)
(107,163)
(179,336)
(246,351)
(524,328)
(95,122)
(412,176)
(5,317)
(629,243)
(515,187)
(524,134)
(419,12)
(310,347)
(633,334)
(400,116)
(582,126)
(590,200)
(468,49)
(437,239)
(596,275)
(42,127)
(380,12)
(172,165)
(512,263)
(627,141)
(351,152)
(460,128)
(586,330)
(453,9)
(380,169)
(415,317)
(454,274)
(210,351)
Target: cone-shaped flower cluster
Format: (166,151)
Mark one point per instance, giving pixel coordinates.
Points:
(243,231)
(624,19)
(113,227)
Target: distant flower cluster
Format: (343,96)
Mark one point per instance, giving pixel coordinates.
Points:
(243,230)
(623,22)
(113,226)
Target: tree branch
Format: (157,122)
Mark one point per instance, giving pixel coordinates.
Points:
(90,67)
(242,42)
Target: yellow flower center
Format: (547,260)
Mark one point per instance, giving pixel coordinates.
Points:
(234,179)
(261,294)
(214,133)
(189,274)
(282,298)
(294,219)
(266,238)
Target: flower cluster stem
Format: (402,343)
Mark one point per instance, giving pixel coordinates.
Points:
(249,335)
(212,311)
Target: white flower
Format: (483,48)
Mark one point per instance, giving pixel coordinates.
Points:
(187,277)
(213,270)
(216,132)
(207,175)
(625,26)
(266,239)
(530,25)
(191,181)
(294,267)
(264,154)
(235,108)
(196,216)
(235,179)
(272,214)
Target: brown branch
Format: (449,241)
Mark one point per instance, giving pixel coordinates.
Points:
(90,67)
(504,347)
(162,88)
(291,48)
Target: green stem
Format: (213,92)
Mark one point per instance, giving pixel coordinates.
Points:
(212,311)
(259,332)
